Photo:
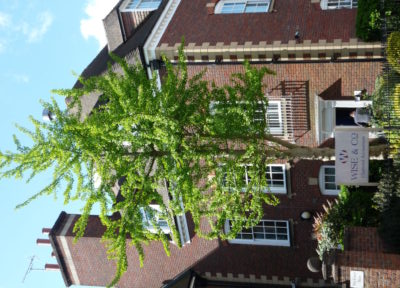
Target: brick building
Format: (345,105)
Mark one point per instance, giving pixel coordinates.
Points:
(320,66)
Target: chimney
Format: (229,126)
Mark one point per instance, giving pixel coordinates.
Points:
(51,267)
(46,231)
(113,29)
(44,242)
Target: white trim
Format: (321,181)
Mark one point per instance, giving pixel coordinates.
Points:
(255,241)
(68,257)
(152,41)
(185,232)
(326,111)
(322,182)
(220,5)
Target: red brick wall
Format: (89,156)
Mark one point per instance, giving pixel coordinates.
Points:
(303,81)
(365,253)
(193,21)
(93,268)
(272,260)
(89,254)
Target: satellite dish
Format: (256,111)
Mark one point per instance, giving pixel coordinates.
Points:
(47,115)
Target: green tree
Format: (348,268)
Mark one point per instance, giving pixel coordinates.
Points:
(189,136)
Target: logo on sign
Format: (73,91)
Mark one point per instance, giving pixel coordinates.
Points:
(343,156)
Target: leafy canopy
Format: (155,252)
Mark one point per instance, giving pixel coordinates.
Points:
(189,138)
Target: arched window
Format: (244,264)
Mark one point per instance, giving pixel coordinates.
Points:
(327,181)
(242,6)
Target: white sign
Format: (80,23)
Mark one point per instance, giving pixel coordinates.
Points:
(356,279)
(352,155)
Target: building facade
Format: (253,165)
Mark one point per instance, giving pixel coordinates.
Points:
(320,67)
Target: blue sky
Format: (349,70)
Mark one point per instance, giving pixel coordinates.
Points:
(41,43)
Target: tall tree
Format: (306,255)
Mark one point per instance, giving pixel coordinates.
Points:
(189,136)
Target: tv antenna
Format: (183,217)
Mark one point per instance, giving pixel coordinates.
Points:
(30,267)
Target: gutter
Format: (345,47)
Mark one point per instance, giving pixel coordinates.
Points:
(152,41)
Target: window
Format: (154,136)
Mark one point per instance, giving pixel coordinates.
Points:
(267,232)
(275,175)
(273,115)
(140,5)
(276,178)
(327,182)
(242,6)
(338,4)
(154,213)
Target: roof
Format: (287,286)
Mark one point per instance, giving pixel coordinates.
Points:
(130,50)
(192,21)
(138,38)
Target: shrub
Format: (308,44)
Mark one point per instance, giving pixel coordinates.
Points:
(387,200)
(354,207)
(389,229)
(364,29)
(393,50)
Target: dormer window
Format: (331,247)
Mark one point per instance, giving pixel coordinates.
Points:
(140,5)
(242,6)
(338,4)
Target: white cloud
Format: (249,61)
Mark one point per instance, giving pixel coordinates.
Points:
(20,78)
(92,26)
(5,20)
(36,32)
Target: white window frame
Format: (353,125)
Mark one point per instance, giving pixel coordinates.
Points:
(274,108)
(131,6)
(274,111)
(261,229)
(161,222)
(271,187)
(246,3)
(338,4)
(323,182)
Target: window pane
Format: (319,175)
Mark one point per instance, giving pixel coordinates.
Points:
(277,184)
(258,229)
(282,237)
(270,230)
(259,236)
(233,7)
(277,169)
(277,176)
(281,230)
(270,236)
(331,186)
(247,236)
(329,179)
(329,170)
(281,224)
